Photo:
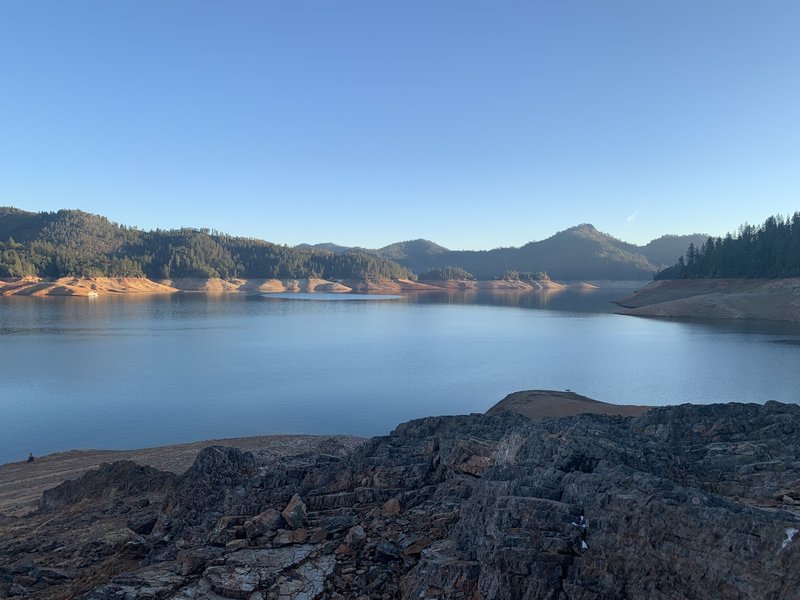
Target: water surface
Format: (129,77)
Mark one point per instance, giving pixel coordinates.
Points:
(132,371)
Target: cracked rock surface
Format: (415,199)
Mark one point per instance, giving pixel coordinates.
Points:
(681,502)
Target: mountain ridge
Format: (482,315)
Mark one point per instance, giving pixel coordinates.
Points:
(75,243)
(593,254)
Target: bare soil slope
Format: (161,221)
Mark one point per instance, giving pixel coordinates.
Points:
(81,286)
(536,404)
(771,299)
(109,286)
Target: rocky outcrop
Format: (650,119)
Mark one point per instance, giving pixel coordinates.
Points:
(680,502)
(121,478)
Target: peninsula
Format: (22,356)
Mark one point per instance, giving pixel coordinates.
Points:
(754,274)
(767,299)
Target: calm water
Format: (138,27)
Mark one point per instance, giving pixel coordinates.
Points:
(134,372)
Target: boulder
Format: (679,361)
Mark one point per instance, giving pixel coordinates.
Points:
(295,512)
(143,524)
(266,521)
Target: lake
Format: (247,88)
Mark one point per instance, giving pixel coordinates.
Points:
(129,372)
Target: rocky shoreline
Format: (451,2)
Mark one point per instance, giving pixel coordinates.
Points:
(679,502)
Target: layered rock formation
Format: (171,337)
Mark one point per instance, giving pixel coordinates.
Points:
(680,502)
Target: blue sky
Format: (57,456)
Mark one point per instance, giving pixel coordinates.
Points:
(475,124)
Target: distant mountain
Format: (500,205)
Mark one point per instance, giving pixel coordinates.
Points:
(664,251)
(580,252)
(328,246)
(73,242)
(577,253)
(583,252)
(411,251)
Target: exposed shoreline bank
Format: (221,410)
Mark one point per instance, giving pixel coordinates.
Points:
(747,299)
(89,287)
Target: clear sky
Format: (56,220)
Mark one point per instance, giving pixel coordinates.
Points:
(474,124)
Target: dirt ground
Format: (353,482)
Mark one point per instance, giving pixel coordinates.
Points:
(22,483)
(536,404)
(771,299)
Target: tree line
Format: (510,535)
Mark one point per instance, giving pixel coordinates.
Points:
(446,273)
(74,243)
(771,250)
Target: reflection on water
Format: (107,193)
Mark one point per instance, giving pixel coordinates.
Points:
(571,300)
(328,297)
(134,371)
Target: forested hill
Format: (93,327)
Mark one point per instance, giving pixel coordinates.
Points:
(72,242)
(578,253)
(768,251)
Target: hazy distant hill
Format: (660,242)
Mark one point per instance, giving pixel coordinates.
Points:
(72,242)
(329,246)
(583,252)
(580,252)
(665,250)
(411,252)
